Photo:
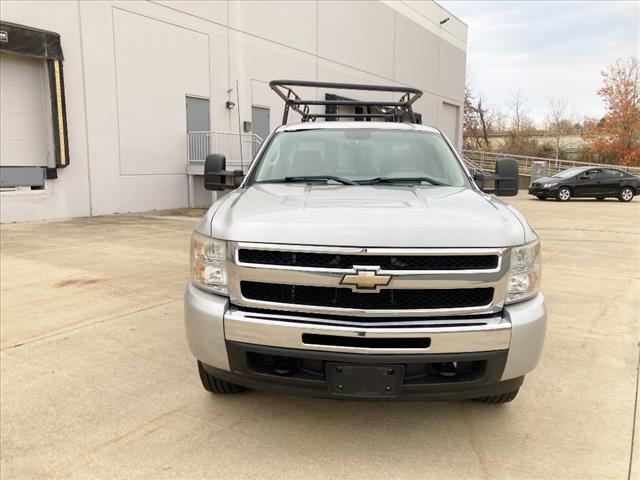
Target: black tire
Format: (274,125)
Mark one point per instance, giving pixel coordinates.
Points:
(217,386)
(625,194)
(541,197)
(599,198)
(563,194)
(502,398)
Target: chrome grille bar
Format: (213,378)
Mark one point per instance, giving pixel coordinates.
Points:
(401,279)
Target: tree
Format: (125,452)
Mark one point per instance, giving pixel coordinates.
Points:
(521,126)
(557,110)
(477,121)
(516,103)
(617,134)
(470,120)
(485,120)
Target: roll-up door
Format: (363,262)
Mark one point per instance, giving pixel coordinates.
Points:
(24,112)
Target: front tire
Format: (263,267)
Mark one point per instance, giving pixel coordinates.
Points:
(563,194)
(502,398)
(626,194)
(215,385)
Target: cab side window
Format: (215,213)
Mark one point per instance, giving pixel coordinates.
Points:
(613,174)
(594,174)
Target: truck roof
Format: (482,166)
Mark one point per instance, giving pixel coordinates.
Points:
(368,125)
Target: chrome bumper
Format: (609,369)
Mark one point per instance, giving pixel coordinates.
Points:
(252,328)
(210,321)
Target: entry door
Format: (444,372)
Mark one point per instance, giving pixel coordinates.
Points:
(198,121)
(260,123)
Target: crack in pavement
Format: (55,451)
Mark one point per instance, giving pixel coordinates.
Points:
(85,325)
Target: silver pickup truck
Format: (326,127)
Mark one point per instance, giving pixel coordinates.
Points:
(360,259)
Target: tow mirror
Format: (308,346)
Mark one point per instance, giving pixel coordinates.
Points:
(506,178)
(217,177)
(508,175)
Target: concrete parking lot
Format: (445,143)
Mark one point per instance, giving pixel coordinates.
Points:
(97,380)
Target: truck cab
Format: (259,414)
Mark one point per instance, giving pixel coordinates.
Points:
(360,259)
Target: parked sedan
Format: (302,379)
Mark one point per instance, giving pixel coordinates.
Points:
(596,182)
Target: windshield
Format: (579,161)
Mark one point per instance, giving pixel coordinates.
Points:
(570,172)
(360,155)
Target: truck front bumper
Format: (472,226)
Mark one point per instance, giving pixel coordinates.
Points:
(272,352)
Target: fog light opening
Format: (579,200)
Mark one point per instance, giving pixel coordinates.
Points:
(447,369)
(283,365)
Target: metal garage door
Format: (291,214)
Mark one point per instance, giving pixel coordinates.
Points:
(24,111)
(450,122)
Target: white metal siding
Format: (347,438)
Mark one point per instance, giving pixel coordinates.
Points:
(128,66)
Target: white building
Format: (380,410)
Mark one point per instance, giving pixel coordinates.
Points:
(104,129)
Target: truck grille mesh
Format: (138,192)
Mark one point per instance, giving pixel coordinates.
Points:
(383,300)
(385,262)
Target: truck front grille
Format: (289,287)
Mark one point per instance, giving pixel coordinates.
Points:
(385,262)
(384,300)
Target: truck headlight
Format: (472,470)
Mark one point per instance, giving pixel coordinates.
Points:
(524,274)
(547,185)
(209,263)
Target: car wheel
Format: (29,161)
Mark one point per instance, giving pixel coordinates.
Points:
(599,198)
(564,194)
(502,398)
(626,194)
(541,197)
(215,385)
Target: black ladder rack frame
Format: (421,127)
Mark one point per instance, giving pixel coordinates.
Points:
(284,89)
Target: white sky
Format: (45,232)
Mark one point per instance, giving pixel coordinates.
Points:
(546,49)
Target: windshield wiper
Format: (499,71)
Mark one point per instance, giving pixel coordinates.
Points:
(430,180)
(310,178)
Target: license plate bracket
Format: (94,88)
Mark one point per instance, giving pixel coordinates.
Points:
(364,380)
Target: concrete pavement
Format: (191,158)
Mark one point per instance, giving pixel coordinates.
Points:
(97,380)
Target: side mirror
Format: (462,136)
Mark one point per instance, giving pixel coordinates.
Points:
(216,177)
(506,178)
(582,178)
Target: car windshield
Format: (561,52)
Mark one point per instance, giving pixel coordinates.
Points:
(360,155)
(572,172)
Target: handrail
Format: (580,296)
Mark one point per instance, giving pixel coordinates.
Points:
(238,148)
(526,162)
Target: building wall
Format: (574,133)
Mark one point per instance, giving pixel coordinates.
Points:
(128,66)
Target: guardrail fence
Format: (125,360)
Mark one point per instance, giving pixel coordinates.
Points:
(478,161)
(238,148)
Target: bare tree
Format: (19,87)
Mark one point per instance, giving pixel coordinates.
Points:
(520,140)
(485,120)
(518,114)
(557,111)
(477,121)
(470,120)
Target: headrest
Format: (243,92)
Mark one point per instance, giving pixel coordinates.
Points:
(307,162)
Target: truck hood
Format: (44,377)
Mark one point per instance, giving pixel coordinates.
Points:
(364,216)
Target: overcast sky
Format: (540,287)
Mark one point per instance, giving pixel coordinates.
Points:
(547,49)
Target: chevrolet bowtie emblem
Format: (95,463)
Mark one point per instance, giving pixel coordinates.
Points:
(366,279)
